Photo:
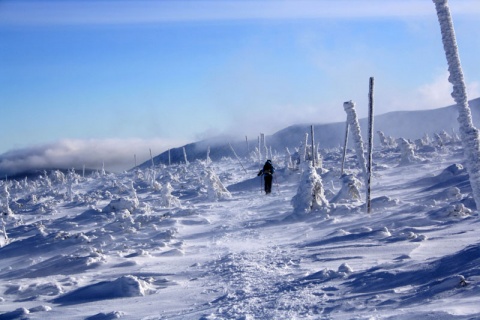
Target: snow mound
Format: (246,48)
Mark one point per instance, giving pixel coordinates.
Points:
(121,204)
(126,286)
(107,316)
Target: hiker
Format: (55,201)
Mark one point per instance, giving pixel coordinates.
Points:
(267,172)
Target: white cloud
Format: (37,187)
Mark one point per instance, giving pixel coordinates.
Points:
(133,12)
(116,154)
(438,93)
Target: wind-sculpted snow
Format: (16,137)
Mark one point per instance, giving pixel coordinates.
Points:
(162,244)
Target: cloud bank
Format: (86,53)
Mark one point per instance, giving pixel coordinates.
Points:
(116,154)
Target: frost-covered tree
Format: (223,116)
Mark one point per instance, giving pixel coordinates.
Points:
(469,134)
(167,199)
(407,153)
(350,190)
(352,120)
(208,160)
(215,188)
(72,179)
(438,141)
(310,193)
(185,156)
(288,158)
(304,148)
(3,234)
(6,200)
(446,138)
(426,140)
(386,141)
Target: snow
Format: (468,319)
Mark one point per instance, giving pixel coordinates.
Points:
(209,244)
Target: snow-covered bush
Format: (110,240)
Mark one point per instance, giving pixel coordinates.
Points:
(438,141)
(386,141)
(215,188)
(407,153)
(310,193)
(121,204)
(354,125)
(304,149)
(167,199)
(3,234)
(350,190)
(288,158)
(6,200)
(446,138)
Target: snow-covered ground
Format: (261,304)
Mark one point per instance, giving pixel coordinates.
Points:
(128,246)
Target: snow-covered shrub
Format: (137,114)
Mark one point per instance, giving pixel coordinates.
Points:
(288,158)
(3,234)
(310,193)
(215,188)
(446,138)
(121,204)
(6,200)
(304,149)
(407,153)
(208,160)
(167,199)
(57,176)
(350,190)
(438,141)
(354,125)
(386,141)
(457,210)
(72,179)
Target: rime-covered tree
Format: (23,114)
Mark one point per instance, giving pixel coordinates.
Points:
(310,193)
(350,190)
(407,153)
(468,133)
(352,120)
(6,200)
(215,188)
(167,199)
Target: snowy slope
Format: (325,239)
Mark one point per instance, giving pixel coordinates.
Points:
(126,246)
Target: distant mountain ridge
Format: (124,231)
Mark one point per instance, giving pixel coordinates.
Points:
(405,124)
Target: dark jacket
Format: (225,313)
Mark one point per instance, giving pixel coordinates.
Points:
(268,169)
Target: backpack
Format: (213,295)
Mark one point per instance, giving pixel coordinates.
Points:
(268,168)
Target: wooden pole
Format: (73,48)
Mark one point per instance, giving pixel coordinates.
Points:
(151,158)
(370,144)
(313,146)
(233,150)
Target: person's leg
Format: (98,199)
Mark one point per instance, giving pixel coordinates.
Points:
(268,184)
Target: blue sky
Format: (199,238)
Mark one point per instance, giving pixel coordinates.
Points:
(155,74)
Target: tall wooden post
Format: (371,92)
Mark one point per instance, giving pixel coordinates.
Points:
(313,146)
(370,144)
